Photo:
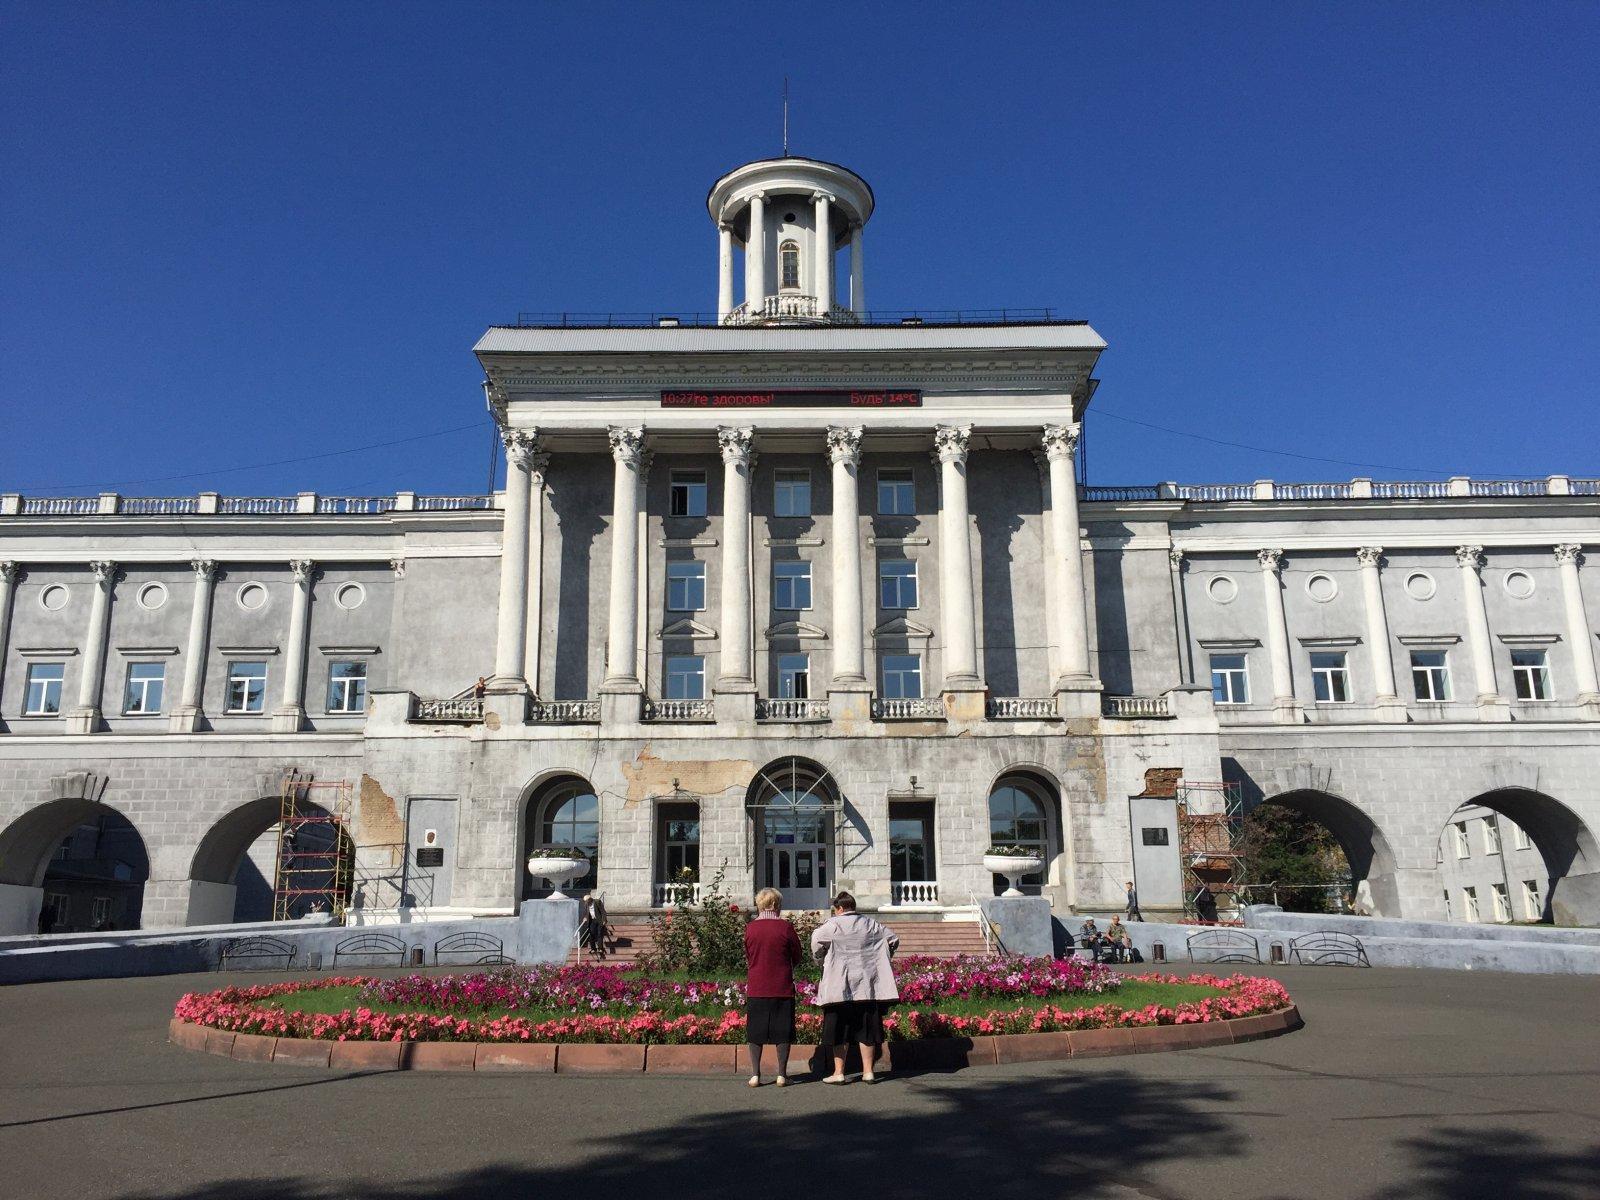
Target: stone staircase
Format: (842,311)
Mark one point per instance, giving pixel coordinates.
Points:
(920,933)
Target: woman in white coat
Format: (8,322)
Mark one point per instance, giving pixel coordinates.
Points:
(857,984)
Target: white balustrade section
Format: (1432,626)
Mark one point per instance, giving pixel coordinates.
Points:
(564,712)
(908,892)
(160,505)
(672,895)
(1409,489)
(791,710)
(60,506)
(790,308)
(1312,491)
(447,711)
(355,505)
(1137,707)
(679,710)
(453,503)
(1215,491)
(907,710)
(1022,708)
(258,506)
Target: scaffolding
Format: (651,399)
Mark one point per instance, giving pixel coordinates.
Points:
(1211,840)
(315,863)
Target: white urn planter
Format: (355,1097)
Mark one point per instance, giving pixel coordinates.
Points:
(1013,867)
(556,869)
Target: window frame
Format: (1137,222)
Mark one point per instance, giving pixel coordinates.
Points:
(682,575)
(789,248)
(787,579)
(1519,838)
(1501,896)
(1463,842)
(1431,677)
(1469,896)
(1223,680)
(1491,835)
(897,478)
(689,481)
(899,580)
(40,708)
(144,689)
(1532,678)
(1532,901)
(788,483)
(233,677)
(901,672)
(1332,679)
(790,674)
(335,680)
(673,669)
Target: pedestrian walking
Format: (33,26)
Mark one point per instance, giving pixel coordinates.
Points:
(1133,913)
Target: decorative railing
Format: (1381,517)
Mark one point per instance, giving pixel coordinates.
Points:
(60,506)
(440,711)
(1214,491)
(921,709)
(1312,491)
(791,710)
(1584,487)
(679,710)
(1508,487)
(453,503)
(1113,494)
(1409,489)
(790,307)
(673,895)
(1137,707)
(564,712)
(1021,708)
(162,506)
(914,891)
(357,505)
(258,506)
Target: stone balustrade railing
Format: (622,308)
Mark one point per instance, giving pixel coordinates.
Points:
(679,710)
(914,891)
(446,711)
(1021,708)
(1457,487)
(675,895)
(921,709)
(564,712)
(13,504)
(791,710)
(1137,707)
(791,307)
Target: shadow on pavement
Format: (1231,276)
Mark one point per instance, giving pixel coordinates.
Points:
(1506,1164)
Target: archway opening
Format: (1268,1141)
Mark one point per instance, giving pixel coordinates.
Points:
(72,865)
(250,867)
(1025,812)
(1312,851)
(795,808)
(562,813)
(1514,855)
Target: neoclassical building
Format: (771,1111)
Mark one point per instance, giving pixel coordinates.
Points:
(799,593)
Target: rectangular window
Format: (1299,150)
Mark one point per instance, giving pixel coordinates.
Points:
(688,496)
(1230,679)
(897,493)
(1502,902)
(791,494)
(897,583)
(1519,836)
(247,687)
(686,677)
(791,585)
(794,676)
(1447,916)
(347,687)
(57,910)
(44,689)
(1430,676)
(143,694)
(902,676)
(1531,673)
(100,913)
(1330,677)
(686,586)
(1469,897)
(910,844)
(1463,846)
(1491,836)
(1532,906)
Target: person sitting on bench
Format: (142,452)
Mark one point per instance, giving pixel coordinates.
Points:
(1091,939)
(1118,941)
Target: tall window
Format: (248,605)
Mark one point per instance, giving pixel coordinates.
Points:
(1532,906)
(1491,836)
(794,676)
(571,817)
(680,840)
(897,583)
(910,844)
(688,494)
(1230,679)
(44,689)
(789,265)
(1430,675)
(1502,902)
(1519,836)
(1330,677)
(347,687)
(902,676)
(1018,817)
(791,494)
(1447,915)
(686,586)
(1531,672)
(791,585)
(1469,898)
(247,687)
(897,493)
(1463,846)
(686,677)
(142,696)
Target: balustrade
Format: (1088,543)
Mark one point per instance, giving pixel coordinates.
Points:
(674,895)
(791,710)
(1022,708)
(920,709)
(907,892)
(564,712)
(466,710)
(679,710)
(1137,707)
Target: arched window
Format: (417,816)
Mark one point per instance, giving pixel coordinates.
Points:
(1019,815)
(789,265)
(569,815)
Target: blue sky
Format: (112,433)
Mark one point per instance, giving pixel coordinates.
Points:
(238,235)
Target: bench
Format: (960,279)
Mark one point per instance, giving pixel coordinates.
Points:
(371,949)
(469,948)
(1223,946)
(248,951)
(1328,948)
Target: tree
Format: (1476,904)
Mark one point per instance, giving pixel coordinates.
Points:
(1283,846)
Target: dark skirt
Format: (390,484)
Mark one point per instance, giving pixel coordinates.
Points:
(854,1022)
(769,1020)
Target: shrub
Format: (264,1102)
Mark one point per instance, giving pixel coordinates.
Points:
(707,938)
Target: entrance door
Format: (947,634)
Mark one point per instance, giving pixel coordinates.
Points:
(797,851)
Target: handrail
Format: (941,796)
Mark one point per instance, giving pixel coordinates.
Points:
(991,934)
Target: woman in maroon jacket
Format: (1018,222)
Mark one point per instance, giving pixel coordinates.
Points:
(771,952)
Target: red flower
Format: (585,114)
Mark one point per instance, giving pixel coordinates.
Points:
(733,908)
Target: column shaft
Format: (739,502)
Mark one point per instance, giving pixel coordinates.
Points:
(724,272)
(532,641)
(627,447)
(858,275)
(1052,576)
(1387,699)
(737,674)
(1283,698)
(1060,442)
(1578,631)
(844,452)
(291,712)
(511,630)
(755,255)
(1470,560)
(822,277)
(955,560)
(8,584)
(86,718)
(187,715)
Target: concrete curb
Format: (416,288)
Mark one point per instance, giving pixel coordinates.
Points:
(591,1058)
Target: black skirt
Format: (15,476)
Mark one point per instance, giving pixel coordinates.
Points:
(854,1022)
(769,1020)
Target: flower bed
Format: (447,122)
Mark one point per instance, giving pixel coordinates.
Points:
(941,998)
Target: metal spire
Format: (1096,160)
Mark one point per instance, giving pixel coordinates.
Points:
(786,116)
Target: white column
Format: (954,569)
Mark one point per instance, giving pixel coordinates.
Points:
(627,448)
(1491,704)
(532,641)
(755,255)
(86,717)
(1387,700)
(1283,699)
(822,276)
(1060,443)
(844,452)
(8,585)
(724,271)
(1052,577)
(190,710)
(955,560)
(736,674)
(858,274)
(290,714)
(1578,630)
(511,629)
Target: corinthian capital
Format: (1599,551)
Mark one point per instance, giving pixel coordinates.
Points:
(205,570)
(1061,441)
(734,441)
(1269,559)
(9,569)
(1370,556)
(538,464)
(1569,552)
(521,446)
(303,569)
(627,443)
(950,442)
(104,572)
(1470,556)
(1175,558)
(844,444)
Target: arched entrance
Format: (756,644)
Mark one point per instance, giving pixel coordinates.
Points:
(1515,854)
(72,865)
(562,812)
(795,808)
(235,868)
(1025,811)
(1366,850)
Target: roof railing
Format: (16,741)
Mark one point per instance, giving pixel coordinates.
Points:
(710,320)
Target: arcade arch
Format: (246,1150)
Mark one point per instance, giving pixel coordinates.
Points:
(795,808)
(1365,847)
(1479,849)
(232,873)
(72,864)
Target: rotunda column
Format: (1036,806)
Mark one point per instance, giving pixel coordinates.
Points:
(724,271)
(755,255)
(823,276)
(858,274)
